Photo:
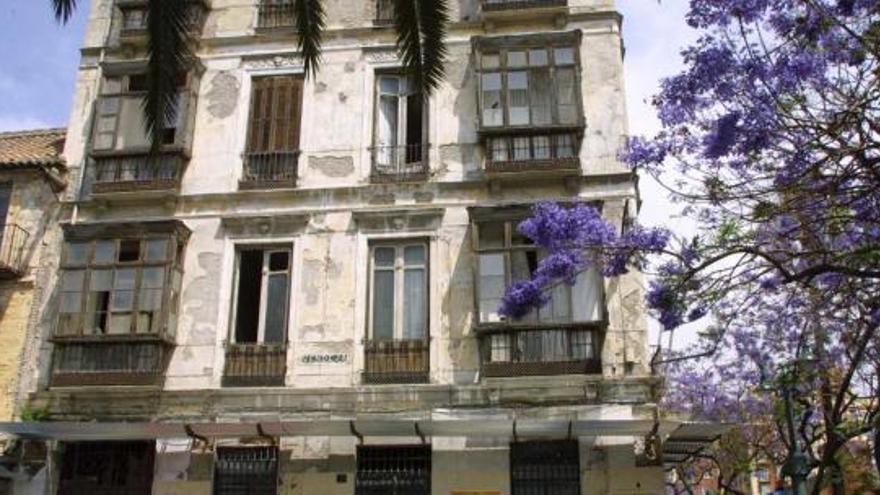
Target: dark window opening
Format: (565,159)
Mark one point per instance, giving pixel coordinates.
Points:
(545,468)
(246,471)
(250,275)
(130,250)
(393,470)
(107,468)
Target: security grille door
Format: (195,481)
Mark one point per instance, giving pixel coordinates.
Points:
(545,468)
(246,471)
(393,470)
(107,468)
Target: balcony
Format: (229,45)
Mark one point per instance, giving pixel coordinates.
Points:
(408,163)
(269,170)
(511,352)
(13,263)
(499,5)
(119,362)
(396,361)
(135,13)
(273,14)
(255,365)
(542,154)
(135,170)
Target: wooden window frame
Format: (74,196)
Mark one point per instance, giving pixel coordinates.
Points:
(267,250)
(527,44)
(294,121)
(399,269)
(172,273)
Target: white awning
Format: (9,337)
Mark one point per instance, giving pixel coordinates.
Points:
(514,429)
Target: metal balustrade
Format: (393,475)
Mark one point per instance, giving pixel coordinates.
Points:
(495,5)
(407,163)
(275,14)
(110,363)
(138,172)
(269,169)
(396,361)
(255,365)
(541,351)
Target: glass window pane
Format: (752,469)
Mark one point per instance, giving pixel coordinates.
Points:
(500,348)
(499,150)
(384,256)
(491,61)
(279,261)
(516,58)
(491,235)
(153,278)
(77,253)
(149,310)
(414,255)
(383,305)
(124,278)
(541,97)
(120,324)
(563,56)
(415,300)
(492,286)
(72,280)
(537,58)
(105,251)
(522,148)
(129,250)
(108,106)
(157,250)
(111,85)
(276,308)
(518,97)
(71,302)
(100,280)
(123,300)
(566,99)
(389,85)
(541,147)
(565,146)
(493,112)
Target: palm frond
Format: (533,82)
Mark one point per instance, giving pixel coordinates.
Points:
(421,35)
(169,56)
(63,9)
(310,23)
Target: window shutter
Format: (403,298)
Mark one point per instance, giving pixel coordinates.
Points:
(276,107)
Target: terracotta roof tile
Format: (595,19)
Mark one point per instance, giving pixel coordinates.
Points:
(37,147)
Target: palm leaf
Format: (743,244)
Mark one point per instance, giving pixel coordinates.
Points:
(169,56)
(63,9)
(310,22)
(421,33)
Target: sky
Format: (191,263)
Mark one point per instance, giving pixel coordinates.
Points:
(39,57)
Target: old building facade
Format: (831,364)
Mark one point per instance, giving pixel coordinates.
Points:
(301,295)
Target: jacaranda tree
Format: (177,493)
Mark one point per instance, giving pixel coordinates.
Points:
(420,25)
(770,142)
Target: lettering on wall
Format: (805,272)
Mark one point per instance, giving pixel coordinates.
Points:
(324,359)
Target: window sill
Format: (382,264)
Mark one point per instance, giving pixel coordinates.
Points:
(252,185)
(514,369)
(572,164)
(530,130)
(112,338)
(504,326)
(86,379)
(521,4)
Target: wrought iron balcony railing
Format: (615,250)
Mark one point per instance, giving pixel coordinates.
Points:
(408,163)
(255,365)
(275,14)
(13,259)
(110,363)
(496,5)
(540,351)
(269,169)
(128,171)
(396,361)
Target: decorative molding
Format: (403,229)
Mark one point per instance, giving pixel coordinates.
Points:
(381,54)
(398,220)
(250,225)
(273,61)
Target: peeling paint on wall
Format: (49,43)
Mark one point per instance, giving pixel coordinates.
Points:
(332,166)
(223,95)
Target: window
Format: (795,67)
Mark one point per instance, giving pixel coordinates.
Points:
(119,287)
(274,129)
(393,469)
(262,294)
(384,11)
(246,471)
(5,197)
(504,256)
(529,86)
(545,468)
(530,148)
(120,125)
(399,307)
(398,141)
(134,18)
(107,467)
